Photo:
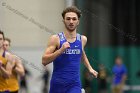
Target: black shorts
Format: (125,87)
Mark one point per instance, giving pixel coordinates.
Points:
(14,92)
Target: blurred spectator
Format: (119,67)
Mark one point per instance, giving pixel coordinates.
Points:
(102,79)
(45,78)
(23,82)
(87,81)
(119,76)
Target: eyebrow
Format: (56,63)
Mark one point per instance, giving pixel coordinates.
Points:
(71,17)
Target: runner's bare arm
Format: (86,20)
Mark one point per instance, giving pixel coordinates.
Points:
(85,59)
(19,69)
(7,71)
(51,53)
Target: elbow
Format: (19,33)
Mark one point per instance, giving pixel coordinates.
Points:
(20,71)
(44,62)
(22,74)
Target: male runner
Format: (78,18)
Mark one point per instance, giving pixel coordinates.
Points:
(65,50)
(18,69)
(7,63)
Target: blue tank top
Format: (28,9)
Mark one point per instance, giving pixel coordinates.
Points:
(67,66)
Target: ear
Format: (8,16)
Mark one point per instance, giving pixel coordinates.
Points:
(78,22)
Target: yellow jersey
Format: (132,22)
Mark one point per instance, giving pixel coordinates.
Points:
(12,82)
(3,81)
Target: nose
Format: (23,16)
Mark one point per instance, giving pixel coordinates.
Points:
(71,21)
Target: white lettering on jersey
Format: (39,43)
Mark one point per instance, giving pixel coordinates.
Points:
(72,51)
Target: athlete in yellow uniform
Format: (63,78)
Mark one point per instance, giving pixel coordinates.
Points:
(7,62)
(3,81)
(18,69)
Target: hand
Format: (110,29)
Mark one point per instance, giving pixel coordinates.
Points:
(94,73)
(65,46)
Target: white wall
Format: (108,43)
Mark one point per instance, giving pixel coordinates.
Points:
(27,22)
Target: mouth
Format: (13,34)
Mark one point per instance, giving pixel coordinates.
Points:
(71,26)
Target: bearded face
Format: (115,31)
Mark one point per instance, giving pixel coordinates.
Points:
(71,21)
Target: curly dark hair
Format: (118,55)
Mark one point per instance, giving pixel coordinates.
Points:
(72,9)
